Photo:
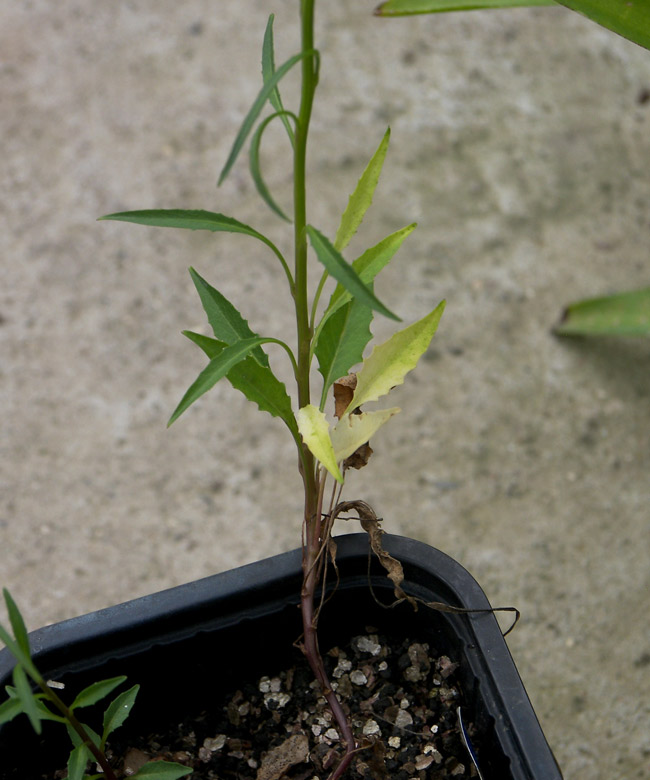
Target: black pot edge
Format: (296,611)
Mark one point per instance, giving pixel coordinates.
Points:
(517,720)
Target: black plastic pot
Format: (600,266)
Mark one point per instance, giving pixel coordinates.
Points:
(187,645)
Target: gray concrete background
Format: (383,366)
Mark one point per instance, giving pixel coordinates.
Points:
(520,145)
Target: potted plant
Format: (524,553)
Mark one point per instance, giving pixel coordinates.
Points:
(232,616)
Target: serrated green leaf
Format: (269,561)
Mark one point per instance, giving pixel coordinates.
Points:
(247,125)
(216,369)
(77,762)
(227,323)
(256,170)
(96,692)
(412,7)
(391,361)
(344,273)
(268,69)
(361,198)
(258,383)
(162,770)
(17,623)
(118,711)
(369,264)
(26,697)
(353,430)
(623,314)
(341,342)
(314,430)
(9,709)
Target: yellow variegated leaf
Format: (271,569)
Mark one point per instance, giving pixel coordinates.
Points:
(390,362)
(314,429)
(353,430)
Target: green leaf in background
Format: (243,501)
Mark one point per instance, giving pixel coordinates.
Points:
(118,711)
(412,7)
(268,69)
(247,125)
(361,198)
(17,623)
(258,383)
(390,362)
(315,431)
(344,273)
(629,18)
(227,323)
(162,770)
(341,342)
(96,692)
(216,369)
(10,708)
(624,314)
(254,164)
(76,739)
(354,430)
(369,264)
(77,762)
(26,697)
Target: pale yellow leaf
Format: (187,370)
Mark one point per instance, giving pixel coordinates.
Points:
(314,429)
(353,430)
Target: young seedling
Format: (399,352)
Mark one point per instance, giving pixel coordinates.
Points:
(87,745)
(335,334)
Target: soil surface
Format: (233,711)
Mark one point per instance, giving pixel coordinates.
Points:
(402,701)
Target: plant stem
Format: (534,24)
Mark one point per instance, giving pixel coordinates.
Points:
(315,531)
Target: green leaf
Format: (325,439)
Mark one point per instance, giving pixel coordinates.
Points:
(90,733)
(344,273)
(10,708)
(216,369)
(268,69)
(96,692)
(314,430)
(369,264)
(624,314)
(411,7)
(389,363)
(361,198)
(258,105)
(353,430)
(26,697)
(341,342)
(255,169)
(17,623)
(162,770)
(629,18)
(227,323)
(258,383)
(118,711)
(77,762)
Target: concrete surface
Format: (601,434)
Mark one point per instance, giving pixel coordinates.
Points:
(520,144)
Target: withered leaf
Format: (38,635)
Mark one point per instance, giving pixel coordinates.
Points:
(294,750)
(343,392)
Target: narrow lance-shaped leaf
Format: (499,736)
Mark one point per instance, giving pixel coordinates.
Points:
(77,762)
(96,692)
(314,430)
(390,362)
(353,430)
(341,342)
(258,383)
(17,623)
(361,198)
(623,314)
(26,697)
(118,711)
(255,167)
(258,105)
(344,273)
(162,770)
(412,7)
(629,18)
(369,264)
(10,708)
(268,69)
(216,369)
(227,323)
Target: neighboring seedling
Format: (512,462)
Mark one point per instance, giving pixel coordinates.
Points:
(87,745)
